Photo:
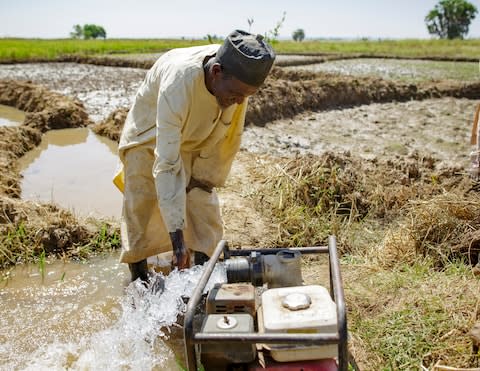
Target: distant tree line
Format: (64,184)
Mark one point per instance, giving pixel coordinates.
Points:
(88,31)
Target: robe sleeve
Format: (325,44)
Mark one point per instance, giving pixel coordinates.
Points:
(168,170)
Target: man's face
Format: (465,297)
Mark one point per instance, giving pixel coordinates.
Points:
(230,90)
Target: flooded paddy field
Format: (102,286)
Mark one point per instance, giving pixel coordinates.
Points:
(101,88)
(369,157)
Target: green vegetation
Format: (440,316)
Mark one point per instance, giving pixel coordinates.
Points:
(298,34)
(450,19)
(412,315)
(88,31)
(28,242)
(412,48)
(26,49)
(272,35)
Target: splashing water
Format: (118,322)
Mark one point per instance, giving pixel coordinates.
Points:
(141,339)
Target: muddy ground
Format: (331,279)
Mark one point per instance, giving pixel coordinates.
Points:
(413,136)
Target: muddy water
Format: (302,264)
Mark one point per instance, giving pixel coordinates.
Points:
(82,316)
(10,116)
(73,168)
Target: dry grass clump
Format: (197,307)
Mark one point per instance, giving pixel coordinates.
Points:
(398,246)
(303,193)
(445,227)
(313,196)
(28,230)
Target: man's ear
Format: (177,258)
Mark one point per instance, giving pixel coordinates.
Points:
(216,69)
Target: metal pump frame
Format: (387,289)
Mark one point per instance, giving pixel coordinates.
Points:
(336,292)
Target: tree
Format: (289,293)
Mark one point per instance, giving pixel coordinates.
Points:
(77,32)
(92,31)
(450,19)
(298,34)
(88,31)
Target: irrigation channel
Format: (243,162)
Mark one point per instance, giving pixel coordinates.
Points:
(83,315)
(10,116)
(73,168)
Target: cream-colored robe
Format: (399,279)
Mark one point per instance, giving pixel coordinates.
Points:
(175,130)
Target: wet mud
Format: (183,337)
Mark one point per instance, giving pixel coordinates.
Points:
(101,89)
(288,94)
(395,69)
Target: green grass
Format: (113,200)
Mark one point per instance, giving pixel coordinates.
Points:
(20,244)
(413,315)
(25,49)
(401,48)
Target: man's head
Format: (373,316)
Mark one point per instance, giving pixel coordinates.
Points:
(240,67)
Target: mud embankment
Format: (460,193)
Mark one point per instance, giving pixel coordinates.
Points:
(28,228)
(289,93)
(46,110)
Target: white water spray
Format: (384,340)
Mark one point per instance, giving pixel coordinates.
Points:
(138,339)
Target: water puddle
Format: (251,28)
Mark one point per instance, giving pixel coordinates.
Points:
(73,168)
(10,116)
(81,316)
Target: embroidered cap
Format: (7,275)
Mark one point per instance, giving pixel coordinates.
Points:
(247,57)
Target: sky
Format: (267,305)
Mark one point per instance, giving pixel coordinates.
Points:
(196,19)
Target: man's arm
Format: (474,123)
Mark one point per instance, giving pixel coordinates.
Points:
(168,170)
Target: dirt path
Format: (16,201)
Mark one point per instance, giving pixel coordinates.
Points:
(244,225)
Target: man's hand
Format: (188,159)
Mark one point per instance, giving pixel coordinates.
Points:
(181,255)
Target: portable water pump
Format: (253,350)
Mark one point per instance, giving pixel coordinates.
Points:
(263,318)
